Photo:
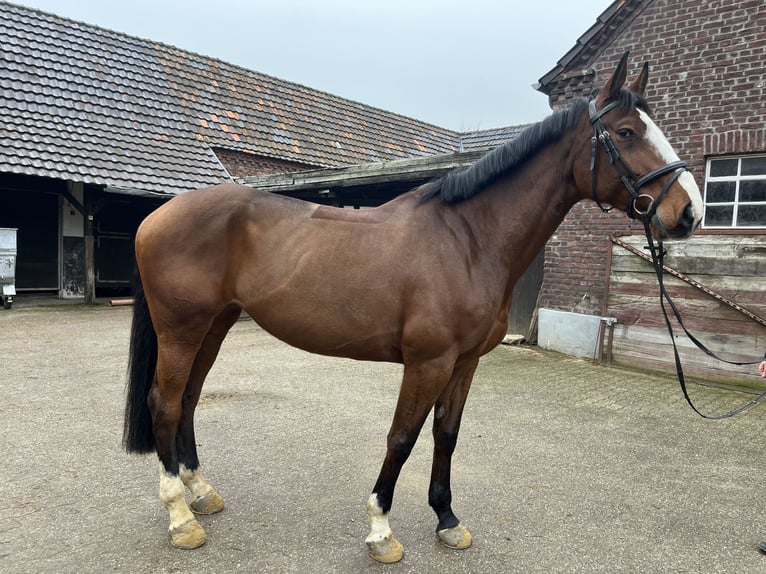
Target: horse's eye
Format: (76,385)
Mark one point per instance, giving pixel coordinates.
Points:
(626,133)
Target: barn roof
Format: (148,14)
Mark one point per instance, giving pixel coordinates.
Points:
(483,139)
(86,104)
(608,26)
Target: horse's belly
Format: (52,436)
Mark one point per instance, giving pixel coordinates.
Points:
(331,329)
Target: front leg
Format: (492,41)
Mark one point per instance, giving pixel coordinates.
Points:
(421,386)
(447,415)
(384,547)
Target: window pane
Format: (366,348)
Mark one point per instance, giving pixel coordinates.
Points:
(753,190)
(718,216)
(723,167)
(751,216)
(753,165)
(720,191)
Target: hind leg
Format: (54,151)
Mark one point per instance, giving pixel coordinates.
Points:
(188,344)
(174,364)
(204,498)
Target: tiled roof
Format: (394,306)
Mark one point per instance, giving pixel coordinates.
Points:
(608,26)
(86,104)
(244,110)
(484,139)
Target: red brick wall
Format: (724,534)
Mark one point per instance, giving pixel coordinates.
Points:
(575,267)
(707,90)
(242,164)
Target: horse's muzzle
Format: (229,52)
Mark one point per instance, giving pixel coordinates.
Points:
(687,223)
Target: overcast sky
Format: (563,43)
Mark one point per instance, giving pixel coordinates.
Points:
(460,64)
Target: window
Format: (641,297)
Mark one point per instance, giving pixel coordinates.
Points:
(735,193)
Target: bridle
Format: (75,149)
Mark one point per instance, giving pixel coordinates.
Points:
(629,179)
(634,184)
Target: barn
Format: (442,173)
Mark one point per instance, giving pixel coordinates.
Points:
(707,91)
(99,128)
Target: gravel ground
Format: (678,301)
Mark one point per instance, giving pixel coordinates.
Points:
(562,466)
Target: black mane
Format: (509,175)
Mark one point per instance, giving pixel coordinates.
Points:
(462,184)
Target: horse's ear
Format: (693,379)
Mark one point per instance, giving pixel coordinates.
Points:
(615,83)
(639,84)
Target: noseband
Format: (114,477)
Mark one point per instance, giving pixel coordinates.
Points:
(634,184)
(629,179)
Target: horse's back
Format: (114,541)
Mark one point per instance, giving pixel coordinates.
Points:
(192,209)
(204,218)
(190,247)
(197,205)
(312,275)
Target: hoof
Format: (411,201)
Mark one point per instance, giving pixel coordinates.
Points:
(387,551)
(456,537)
(188,535)
(211,503)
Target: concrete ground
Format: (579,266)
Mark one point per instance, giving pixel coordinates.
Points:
(562,466)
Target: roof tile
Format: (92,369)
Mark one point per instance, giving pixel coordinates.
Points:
(83,103)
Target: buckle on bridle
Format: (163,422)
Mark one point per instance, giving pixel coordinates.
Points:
(631,182)
(634,204)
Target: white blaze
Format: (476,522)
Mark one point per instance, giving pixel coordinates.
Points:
(663,148)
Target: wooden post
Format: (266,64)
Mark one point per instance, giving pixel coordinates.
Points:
(90,260)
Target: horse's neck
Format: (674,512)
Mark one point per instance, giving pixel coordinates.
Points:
(528,205)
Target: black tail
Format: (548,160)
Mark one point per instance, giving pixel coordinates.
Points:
(137,435)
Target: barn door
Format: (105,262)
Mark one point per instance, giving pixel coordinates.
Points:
(117,220)
(525,296)
(36,215)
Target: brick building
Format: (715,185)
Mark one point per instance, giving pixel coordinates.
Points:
(707,91)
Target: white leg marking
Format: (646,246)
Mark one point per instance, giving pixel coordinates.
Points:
(172,495)
(195,482)
(662,146)
(379,527)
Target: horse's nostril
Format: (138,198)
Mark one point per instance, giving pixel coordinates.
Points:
(687,217)
(685,225)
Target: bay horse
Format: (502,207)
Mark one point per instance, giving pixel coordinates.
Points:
(424,280)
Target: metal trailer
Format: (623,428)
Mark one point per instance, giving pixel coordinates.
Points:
(7,265)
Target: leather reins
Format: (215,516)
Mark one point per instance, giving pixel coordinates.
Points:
(634,184)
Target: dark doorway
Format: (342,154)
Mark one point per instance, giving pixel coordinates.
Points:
(117,219)
(36,216)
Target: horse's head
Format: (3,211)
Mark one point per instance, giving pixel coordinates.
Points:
(632,164)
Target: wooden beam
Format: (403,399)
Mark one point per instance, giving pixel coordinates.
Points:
(74,201)
(683,277)
(90,257)
(365,174)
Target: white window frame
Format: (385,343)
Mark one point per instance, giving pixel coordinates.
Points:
(736,203)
